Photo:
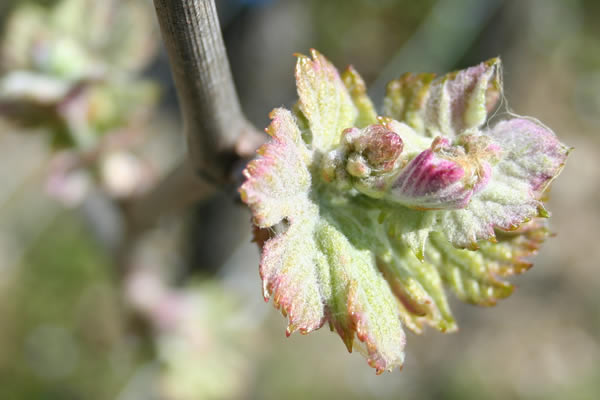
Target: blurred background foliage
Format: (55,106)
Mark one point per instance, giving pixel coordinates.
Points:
(88,117)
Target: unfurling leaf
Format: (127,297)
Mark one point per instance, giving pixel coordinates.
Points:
(362,219)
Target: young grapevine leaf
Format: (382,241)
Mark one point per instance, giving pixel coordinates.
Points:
(362,219)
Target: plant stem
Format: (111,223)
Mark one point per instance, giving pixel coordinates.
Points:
(180,188)
(217,132)
(212,116)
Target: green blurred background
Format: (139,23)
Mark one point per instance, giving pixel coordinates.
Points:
(182,316)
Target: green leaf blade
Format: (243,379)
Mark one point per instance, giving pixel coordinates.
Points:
(324,100)
(370,218)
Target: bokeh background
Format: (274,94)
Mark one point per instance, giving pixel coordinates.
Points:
(88,119)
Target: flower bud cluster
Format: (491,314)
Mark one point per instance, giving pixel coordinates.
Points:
(367,159)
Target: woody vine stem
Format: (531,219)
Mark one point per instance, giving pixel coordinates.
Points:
(217,132)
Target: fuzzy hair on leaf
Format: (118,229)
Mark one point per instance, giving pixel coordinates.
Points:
(365,219)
